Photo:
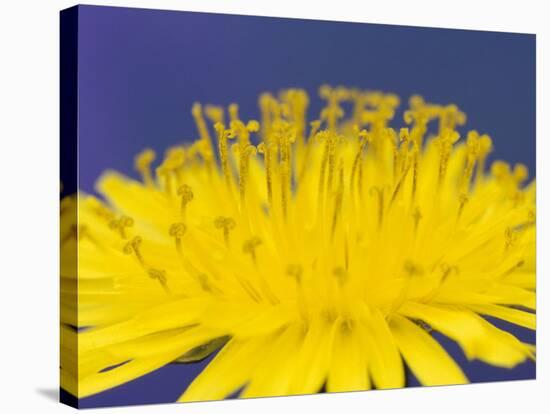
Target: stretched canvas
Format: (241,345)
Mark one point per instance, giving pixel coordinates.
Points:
(258,206)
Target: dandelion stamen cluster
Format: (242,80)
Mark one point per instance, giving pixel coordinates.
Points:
(306,253)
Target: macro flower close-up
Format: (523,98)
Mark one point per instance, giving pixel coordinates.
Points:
(302,254)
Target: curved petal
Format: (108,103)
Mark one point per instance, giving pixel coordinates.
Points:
(424,355)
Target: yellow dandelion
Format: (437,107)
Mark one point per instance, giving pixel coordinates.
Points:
(306,254)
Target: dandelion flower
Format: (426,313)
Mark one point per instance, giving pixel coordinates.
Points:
(303,254)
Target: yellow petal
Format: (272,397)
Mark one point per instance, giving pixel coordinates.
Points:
(386,366)
(315,354)
(348,368)
(478,338)
(427,359)
(274,374)
(149,355)
(175,314)
(515,316)
(229,370)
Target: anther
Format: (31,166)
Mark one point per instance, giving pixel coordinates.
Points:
(510,237)
(249,247)
(196,111)
(233,112)
(364,137)
(143,163)
(214,113)
(223,136)
(531,216)
(186,197)
(121,224)
(295,271)
(333,111)
(485,147)
(340,274)
(157,274)
(412,269)
(446,271)
(445,142)
(177,231)
(202,278)
(463,199)
(134,247)
(417,216)
(226,224)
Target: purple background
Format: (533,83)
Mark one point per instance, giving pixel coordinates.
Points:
(141,70)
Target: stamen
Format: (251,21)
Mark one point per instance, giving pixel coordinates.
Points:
(245,155)
(446,271)
(363,137)
(186,197)
(399,184)
(485,148)
(266,150)
(402,157)
(510,237)
(338,199)
(121,224)
(531,216)
(332,141)
(205,284)
(412,270)
(415,152)
(178,230)
(341,275)
(379,192)
(463,199)
(249,247)
(157,274)
(226,224)
(416,217)
(304,161)
(391,135)
(295,271)
(143,163)
(134,247)
(174,160)
(233,112)
(286,135)
(201,126)
(214,113)
(445,143)
(245,150)
(323,136)
(297,102)
(266,103)
(223,136)
(513,268)
(449,117)
(102,211)
(473,146)
(333,111)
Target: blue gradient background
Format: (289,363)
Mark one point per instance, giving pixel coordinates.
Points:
(141,70)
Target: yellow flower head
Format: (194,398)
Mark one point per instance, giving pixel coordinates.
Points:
(308,254)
